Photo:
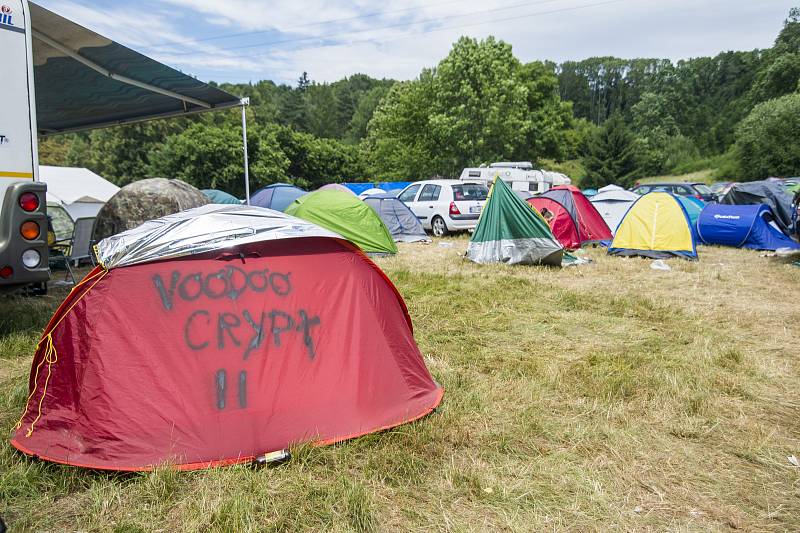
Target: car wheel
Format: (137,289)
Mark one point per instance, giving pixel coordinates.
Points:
(439,227)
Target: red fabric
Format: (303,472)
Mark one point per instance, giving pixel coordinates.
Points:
(562,225)
(591,225)
(155,367)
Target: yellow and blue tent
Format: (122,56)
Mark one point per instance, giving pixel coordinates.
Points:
(656,226)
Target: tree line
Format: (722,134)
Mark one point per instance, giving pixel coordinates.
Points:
(620,118)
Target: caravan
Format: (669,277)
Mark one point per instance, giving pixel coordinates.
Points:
(60,77)
(23,206)
(520,176)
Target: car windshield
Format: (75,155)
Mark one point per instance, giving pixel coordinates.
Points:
(702,189)
(470,191)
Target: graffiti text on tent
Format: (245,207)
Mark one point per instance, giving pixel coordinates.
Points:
(229,282)
(242,329)
(248,331)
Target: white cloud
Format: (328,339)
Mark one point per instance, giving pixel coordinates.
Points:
(138,28)
(411,34)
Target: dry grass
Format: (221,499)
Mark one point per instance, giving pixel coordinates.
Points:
(607,396)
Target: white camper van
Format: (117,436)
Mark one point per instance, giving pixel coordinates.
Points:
(23,207)
(59,77)
(520,176)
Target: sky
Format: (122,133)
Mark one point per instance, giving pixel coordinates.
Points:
(249,40)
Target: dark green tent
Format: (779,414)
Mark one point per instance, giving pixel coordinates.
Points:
(215,196)
(511,231)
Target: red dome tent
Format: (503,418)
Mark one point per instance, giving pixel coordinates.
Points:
(590,224)
(563,226)
(216,335)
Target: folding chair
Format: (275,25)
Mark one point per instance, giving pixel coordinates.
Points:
(82,240)
(74,249)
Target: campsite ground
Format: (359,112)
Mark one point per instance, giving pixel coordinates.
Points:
(606,396)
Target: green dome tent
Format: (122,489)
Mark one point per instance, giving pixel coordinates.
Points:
(511,231)
(346,215)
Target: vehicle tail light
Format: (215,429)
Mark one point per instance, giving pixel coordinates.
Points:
(30,230)
(454,209)
(698,196)
(29,201)
(31,258)
(6,272)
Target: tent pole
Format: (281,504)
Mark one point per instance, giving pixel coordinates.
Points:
(245,103)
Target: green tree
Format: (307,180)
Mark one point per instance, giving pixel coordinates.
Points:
(551,120)
(321,112)
(55,150)
(399,144)
(122,154)
(479,104)
(660,143)
(315,162)
(363,112)
(211,157)
(766,141)
(611,155)
(295,105)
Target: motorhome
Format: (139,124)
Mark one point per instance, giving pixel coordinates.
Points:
(23,207)
(520,176)
(59,77)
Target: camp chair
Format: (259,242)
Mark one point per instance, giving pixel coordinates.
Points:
(74,249)
(82,240)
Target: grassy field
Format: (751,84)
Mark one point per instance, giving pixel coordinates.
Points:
(701,176)
(604,397)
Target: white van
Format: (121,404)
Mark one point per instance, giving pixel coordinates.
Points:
(23,206)
(58,77)
(519,175)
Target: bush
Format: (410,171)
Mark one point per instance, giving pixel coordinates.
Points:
(766,140)
(573,168)
(210,157)
(727,166)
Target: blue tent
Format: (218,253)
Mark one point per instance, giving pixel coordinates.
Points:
(358,188)
(742,226)
(277,196)
(390,185)
(693,208)
(215,196)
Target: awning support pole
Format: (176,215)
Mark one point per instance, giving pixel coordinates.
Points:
(245,103)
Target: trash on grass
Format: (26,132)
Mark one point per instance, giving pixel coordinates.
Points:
(786,252)
(659,264)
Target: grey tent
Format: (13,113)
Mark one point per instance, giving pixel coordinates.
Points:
(524,194)
(771,193)
(145,200)
(399,219)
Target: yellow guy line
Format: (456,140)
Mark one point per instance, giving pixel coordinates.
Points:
(51,355)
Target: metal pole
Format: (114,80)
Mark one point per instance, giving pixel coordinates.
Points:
(245,103)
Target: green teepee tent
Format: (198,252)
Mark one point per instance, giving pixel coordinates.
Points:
(346,215)
(511,231)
